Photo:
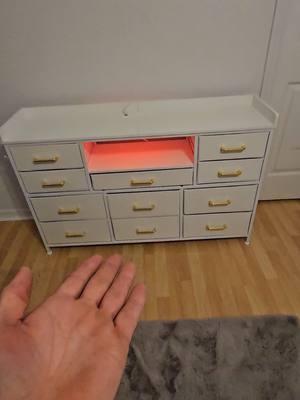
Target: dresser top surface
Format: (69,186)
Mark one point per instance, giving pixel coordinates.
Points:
(138,119)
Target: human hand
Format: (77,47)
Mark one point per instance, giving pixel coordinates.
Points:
(74,345)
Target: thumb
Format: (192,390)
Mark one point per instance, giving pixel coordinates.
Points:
(15,296)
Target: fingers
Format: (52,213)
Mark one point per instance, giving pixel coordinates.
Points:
(102,280)
(116,295)
(128,317)
(77,280)
(15,296)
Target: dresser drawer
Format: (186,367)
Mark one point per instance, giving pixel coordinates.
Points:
(54,181)
(61,208)
(222,199)
(76,231)
(48,156)
(145,204)
(146,228)
(229,170)
(242,145)
(172,177)
(226,224)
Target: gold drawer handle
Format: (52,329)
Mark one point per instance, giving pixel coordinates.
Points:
(46,160)
(142,231)
(237,149)
(74,234)
(216,227)
(136,207)
(61,211)
(135,182)
(53,184)
(218,203)
(223,174)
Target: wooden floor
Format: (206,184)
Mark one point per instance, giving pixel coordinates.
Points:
(195,279)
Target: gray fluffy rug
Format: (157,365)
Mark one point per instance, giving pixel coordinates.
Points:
(217,359)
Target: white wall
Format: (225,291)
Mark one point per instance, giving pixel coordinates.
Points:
(81,51)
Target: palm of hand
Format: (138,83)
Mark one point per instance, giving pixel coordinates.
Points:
(75,344)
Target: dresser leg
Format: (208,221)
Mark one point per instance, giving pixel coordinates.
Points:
(49,251)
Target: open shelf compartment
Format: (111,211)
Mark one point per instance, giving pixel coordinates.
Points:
(133,155)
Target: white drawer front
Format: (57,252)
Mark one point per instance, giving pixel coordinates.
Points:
(76,231)
(143,179)
(225,224)
(48,156)
(54,181)
(146,228)
(243,145)
(61,208)
(146,204)
(223,199)
(229,170)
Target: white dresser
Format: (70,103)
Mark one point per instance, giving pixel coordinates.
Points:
(141,172)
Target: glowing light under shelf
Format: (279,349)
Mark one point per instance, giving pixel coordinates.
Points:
(139,155)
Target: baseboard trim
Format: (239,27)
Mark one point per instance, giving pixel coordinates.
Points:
(15,214)
(281,185)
